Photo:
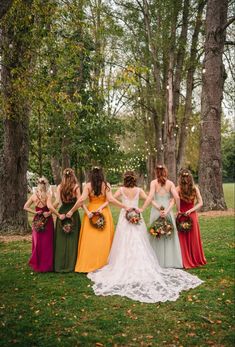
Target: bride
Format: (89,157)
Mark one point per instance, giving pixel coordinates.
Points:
(133,269)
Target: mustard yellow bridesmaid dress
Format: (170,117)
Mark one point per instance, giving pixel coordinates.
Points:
(94,244)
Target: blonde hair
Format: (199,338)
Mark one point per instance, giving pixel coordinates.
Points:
(42,188)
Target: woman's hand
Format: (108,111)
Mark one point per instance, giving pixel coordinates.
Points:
(187,212)
(62,216)
(163,213)
(46,214)
(39,212)
(69,214)
(90,214)
(99,210)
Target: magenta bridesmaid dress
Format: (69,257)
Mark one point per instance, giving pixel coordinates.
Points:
(41,259)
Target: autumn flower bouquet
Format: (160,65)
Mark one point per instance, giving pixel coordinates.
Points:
(97,220)
(67,225)
(162,226)
(184,222)
(39,222)
(133,216)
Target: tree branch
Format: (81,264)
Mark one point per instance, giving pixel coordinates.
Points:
(230,21)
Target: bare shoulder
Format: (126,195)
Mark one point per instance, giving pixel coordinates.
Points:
(33,197)
(177,188)
(170,184)
(88,185)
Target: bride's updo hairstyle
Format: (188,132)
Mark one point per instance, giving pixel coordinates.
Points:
(69,181)
(42,188)
(187,191)
(161,174)
(96,178)
(130,179)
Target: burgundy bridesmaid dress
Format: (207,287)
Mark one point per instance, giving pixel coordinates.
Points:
(190,242)
(41,259)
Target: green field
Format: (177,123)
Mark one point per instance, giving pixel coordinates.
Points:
(61,309)
(229,193)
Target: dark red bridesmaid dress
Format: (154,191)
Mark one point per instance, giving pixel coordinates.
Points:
(41,259)
(190,242)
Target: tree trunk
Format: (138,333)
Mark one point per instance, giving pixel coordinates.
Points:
(16,58)
(65,153)
(56,170)
(5,6)
(13,181)
(210,166)
(189,87)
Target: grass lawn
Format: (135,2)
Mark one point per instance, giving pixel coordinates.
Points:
(229,193)
(61,310)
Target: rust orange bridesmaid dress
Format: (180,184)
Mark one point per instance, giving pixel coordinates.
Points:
(94,244)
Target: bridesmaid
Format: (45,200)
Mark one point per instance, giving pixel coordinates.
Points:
(41,259)
(94,244)
(164,193)
(65,243)
(190,242)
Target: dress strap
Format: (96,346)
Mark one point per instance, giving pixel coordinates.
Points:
(40,200)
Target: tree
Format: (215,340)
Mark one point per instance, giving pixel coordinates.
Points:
(5,6)
(210,162)
(16,58)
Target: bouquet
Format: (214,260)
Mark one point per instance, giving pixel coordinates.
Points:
(67,225)
(184,222)
(39,222)
(162,226)
(133,216)
(97,220)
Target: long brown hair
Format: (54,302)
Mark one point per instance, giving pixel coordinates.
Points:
(96,178)
(161,174)
(69,182)
(187,191)
(130,179)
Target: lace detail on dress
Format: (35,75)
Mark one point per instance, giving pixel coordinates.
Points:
(133,269)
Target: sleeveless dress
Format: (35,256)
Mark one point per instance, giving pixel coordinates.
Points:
(41,259)
(167,249)
(133,269)
(65,245)
(94,244)
(190,242)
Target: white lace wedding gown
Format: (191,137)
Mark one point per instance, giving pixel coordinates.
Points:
(133,269)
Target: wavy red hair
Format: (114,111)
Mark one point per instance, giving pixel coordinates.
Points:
(161,174)
(187,190)
(69,182)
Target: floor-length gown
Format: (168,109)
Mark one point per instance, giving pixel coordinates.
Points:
(190,242)
(94,244)
(167,249)
(133,269)
(66,244)
(41,259)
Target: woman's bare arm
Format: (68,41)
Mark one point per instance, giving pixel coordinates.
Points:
(175,195)
(149,197)
(28,203)
(199,202)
